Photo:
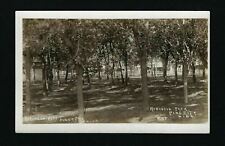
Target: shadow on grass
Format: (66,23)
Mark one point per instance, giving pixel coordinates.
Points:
(105,102)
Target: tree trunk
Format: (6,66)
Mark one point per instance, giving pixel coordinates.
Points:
(131,71)
(99,72)
(88,77)
(99,75)
(175,70)
(126,76)
(67,71)
(58,77)
(112,73)
(106,58)
(34,73)
(107,75)
(28,83)
(50,73)
(183,73)
(185,68)
(44,80)
(107,66)
(165,63)
(71,77)
(193,72)
(143,62)
(203,72)
(50,79)
(152,72)
(80,99)
(126,70)
(121,73)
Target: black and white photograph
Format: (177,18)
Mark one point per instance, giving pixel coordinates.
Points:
(112,71)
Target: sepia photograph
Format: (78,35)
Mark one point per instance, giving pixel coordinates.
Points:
(112,71)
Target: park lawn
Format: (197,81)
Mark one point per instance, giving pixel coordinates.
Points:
(107,103)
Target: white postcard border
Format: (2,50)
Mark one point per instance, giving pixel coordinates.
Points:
(101,128)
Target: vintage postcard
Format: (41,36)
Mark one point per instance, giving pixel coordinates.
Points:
(112,72)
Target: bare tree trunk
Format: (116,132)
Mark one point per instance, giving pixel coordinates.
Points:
(58,77)
(185,68)
(203,72)
(50,81)
(107,66)
(99,71)
(99,75)
(121,73)
(34,73)
(126,76)
(126,70)
(112,72)
(88,77)
(193,72)
(165,63)
(67,71)
(152,72)
(71,77)
(50,72)
(143,62)
(183,72)
(107,75)
(106,58)
(175,70)
(80,99)
(28,83)
(44,80)
(131,70)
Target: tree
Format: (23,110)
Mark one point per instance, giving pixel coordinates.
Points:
(186,33)
(139,31)
(125,45)
(201,38)
(79,36)
(161,40)
(31,45)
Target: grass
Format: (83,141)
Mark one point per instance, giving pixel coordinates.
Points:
(107,103)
